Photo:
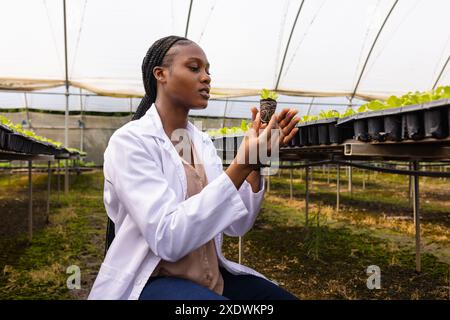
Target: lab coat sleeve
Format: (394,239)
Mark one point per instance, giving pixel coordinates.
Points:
(252,201)
(171,228)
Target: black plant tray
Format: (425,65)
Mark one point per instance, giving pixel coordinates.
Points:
(41,147)
(4,131)
(18,143)
(428,120)
(228,145)
(322,132)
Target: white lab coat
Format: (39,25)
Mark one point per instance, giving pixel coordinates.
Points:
(145,196)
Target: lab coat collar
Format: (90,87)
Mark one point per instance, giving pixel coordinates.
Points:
(157,130)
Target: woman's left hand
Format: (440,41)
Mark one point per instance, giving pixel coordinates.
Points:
(286,122)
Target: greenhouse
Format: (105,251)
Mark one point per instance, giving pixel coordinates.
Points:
(353,202)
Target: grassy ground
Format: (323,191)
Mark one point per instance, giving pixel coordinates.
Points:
(326,260)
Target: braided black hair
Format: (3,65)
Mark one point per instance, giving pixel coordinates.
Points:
(155,57)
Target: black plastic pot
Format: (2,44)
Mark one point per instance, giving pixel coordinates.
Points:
(436,125)
(334,133)
(393,128)
(303,136)
(412,125)
(313,135)
(229,143)
(375,129)
(4,131)
(3,140)
(360,130)
(323,134)
(295,140)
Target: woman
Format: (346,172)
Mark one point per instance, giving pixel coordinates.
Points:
(170,208)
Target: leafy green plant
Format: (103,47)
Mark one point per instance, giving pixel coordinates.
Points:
(230,130)
(347,113)
(266,94)
(328,114)
(407,99)
(309,118)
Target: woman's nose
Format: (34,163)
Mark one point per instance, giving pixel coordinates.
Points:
(206,78)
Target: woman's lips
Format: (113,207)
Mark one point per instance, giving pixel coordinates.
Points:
(204,94)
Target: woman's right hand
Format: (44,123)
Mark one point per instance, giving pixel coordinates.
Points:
(247,158)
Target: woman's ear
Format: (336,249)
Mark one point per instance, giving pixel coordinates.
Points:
(159,74)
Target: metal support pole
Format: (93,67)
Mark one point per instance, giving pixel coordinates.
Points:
(30,202)
(417,217)
(66,177)
(66,113)
(49,179)
(328,174)
(59,178)
(82,123)
(279,170)
(290,185)
(338,187)
(307,194)
(364,180)
(350,177)
(410,188)
(268,179)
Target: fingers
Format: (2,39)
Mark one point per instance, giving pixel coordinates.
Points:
(282,114)
(290,136)
(288,128)
(254,111)
(288,117)
(266,134)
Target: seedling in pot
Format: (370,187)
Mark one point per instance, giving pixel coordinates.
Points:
(268,104)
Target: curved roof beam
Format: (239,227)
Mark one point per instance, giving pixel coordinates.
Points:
(371,49)
(188,19)
(287,45)
(441,73)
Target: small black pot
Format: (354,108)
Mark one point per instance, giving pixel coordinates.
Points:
(295,140)
(324,136)
(375,128)
(393,128)
(360,130)
(3,140)
(303,136)
(335,133)
(412,125)
(313,135)
(229,144)
(436,125)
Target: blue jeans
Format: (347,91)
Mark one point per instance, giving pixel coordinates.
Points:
(236,287)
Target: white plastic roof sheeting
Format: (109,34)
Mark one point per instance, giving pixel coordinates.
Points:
(245,42)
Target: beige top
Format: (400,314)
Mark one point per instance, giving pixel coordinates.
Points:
(201,265)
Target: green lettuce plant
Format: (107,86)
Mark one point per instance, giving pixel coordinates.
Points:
(266,94)
(328,114)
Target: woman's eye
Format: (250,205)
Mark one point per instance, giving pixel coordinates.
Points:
(194,68)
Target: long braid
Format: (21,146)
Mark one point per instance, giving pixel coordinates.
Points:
(154,57)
